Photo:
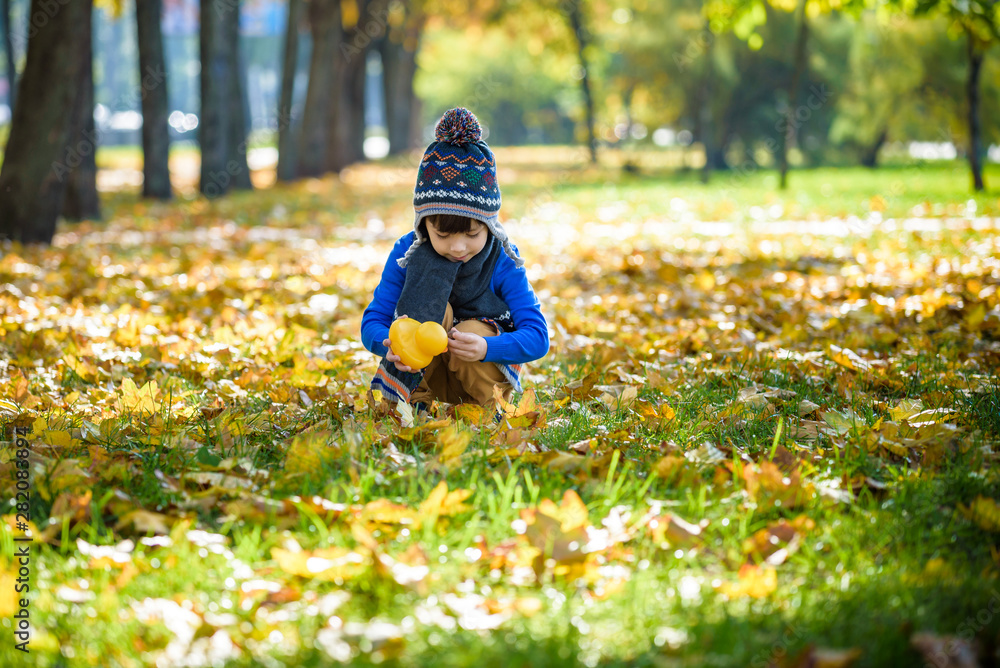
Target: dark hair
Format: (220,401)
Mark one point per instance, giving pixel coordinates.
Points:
(449,223)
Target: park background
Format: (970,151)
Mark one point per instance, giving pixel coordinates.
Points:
(764,235)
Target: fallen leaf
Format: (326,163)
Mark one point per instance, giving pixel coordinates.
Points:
(753,581)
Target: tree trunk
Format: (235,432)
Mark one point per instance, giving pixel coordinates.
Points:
(155,105)
(575,16)
(870,156)
(8,49)
(239,105)
(348,135)
(972,97)
(213,122)
(32,179)
(81,201)
(798,68)
(703,129)
(399,66)
(347,119)
(324,22)
(286,144)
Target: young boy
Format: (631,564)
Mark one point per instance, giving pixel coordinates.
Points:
(468,277)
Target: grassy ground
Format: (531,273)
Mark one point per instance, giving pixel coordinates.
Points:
(766,432)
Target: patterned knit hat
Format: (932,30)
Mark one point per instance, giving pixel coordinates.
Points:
(458,175)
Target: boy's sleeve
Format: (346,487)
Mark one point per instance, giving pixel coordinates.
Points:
(530,339)
(378,316)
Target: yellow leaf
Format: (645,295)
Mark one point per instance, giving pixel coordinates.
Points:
(309,450)
(454,441)
(848,359)
(144,521)
(984,511)
(471,413)
(658,417)
(505,407)
(442,503)
(527,404)
(905,409)
(88,372)
(572,511)
(383,511)
(975,316)
(328,563)
(8,601)
(59,439)
(754,581)
(674,531)
(670,466)
(768,486)
(9,529)
(138,400)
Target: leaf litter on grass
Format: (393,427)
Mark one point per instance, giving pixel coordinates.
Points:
(197,368)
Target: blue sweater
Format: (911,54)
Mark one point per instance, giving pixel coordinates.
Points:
(528,342)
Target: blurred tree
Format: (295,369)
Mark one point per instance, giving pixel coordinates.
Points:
(222,123)
(510,76)
(398,48)
(81,199)
(319,114)
(551,31)
(8,50)
(31,191)
(238,104)
(885,73)
(575,16)
(743,17)
(978,22)
(333,123)
(347,139)
(287,151)
(155,109)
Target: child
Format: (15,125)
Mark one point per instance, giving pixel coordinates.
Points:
(469,278)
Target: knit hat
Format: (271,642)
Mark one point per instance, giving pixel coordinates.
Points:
(458,175)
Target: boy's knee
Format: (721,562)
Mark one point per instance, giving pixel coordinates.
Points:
(476,327)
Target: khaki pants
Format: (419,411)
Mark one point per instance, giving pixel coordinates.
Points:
(456,381)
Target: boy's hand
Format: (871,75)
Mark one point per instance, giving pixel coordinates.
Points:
(466,345)
(396,359)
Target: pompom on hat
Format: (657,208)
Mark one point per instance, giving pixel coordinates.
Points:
(458,175)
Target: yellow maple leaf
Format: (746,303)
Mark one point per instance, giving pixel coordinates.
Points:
(142,400)
(471,413)
(571,512)
(454,442)
(442,503)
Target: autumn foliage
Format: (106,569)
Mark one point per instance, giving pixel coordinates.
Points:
(726,423)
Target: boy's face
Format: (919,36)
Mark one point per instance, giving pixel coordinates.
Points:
(459,246)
